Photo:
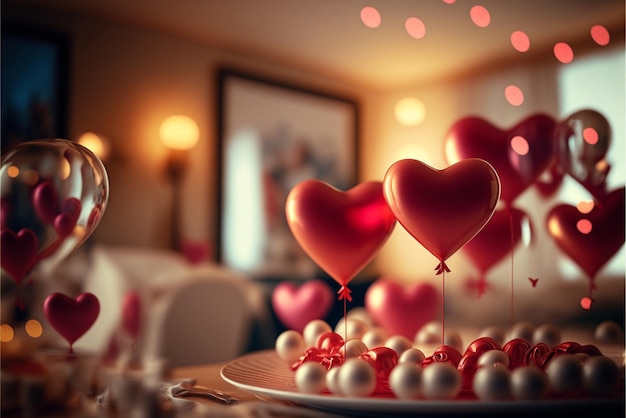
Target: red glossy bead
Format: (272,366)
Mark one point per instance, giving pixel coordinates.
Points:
(516,349)
(330,342)
(483,344)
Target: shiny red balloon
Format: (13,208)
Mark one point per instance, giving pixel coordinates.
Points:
(589,249)
(497,239)
(442,209)
(474,137)
(340,231)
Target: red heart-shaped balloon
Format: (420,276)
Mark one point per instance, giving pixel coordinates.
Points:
(72,318)
(297,306)
(474,137)
(497,239)
(591,250)
(65,221)
(46,201)
(401,310)
(340,231)
(18,252)
(442,209)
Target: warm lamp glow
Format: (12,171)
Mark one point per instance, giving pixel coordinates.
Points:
(179,132)
(33,328)
(95,143)
(410,111)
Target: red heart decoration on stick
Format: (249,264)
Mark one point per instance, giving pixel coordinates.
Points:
(402,310)
(474,137)
(18,252)
(72,318)
(590,249)
(340,231)
(442,209)
(297,306)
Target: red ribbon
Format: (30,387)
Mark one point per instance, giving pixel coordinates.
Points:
(344,293)
(441,267)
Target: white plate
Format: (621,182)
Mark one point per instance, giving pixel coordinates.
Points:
(264,373)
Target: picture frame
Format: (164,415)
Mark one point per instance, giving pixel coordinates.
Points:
(272,135)
(35,80)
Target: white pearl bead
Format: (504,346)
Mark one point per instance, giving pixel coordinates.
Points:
(548,334)
(360,313)
(310,377)
(405,380)
(441,381)
(412,355)
(332,380)
(492,357)
(453,339)
(313,330)
(497,333)
(357,378)
(356,328)
(565,374)
(600,375)
(523,330)
(375,337)
(354,348)
(609,332)
(528,383)
(429,333)
(398,343)
(492,383)
(289,346)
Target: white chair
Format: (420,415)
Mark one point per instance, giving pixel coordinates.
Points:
(206,317)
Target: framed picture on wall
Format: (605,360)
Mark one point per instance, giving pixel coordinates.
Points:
(271,136)
(34,84)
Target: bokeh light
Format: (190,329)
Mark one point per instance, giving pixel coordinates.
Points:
(410,111)
(585,303)
(585,206)
(449,1)
(600,35)
(415,27)
(370,17)
(33,328)
(514,95)
(480,16)
(584,226)
(563,52)
(13,171)
(6,333)
(590,135)
(520,41)
(30,177)
(519,144)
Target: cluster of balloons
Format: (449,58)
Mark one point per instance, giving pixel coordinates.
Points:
(441,209)
(53,195)
(522,156)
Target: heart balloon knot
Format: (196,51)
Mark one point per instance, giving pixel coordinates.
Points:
(441,267)
(344,293)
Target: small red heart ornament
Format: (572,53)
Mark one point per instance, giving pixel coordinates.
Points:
(71,318)
(340,231)
(18,252)
(401,309)
(442,209)
(474,137)
(297,306)
(591,250)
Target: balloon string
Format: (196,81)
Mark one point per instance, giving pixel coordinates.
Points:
(512,266)
(442,268)
(345,328)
